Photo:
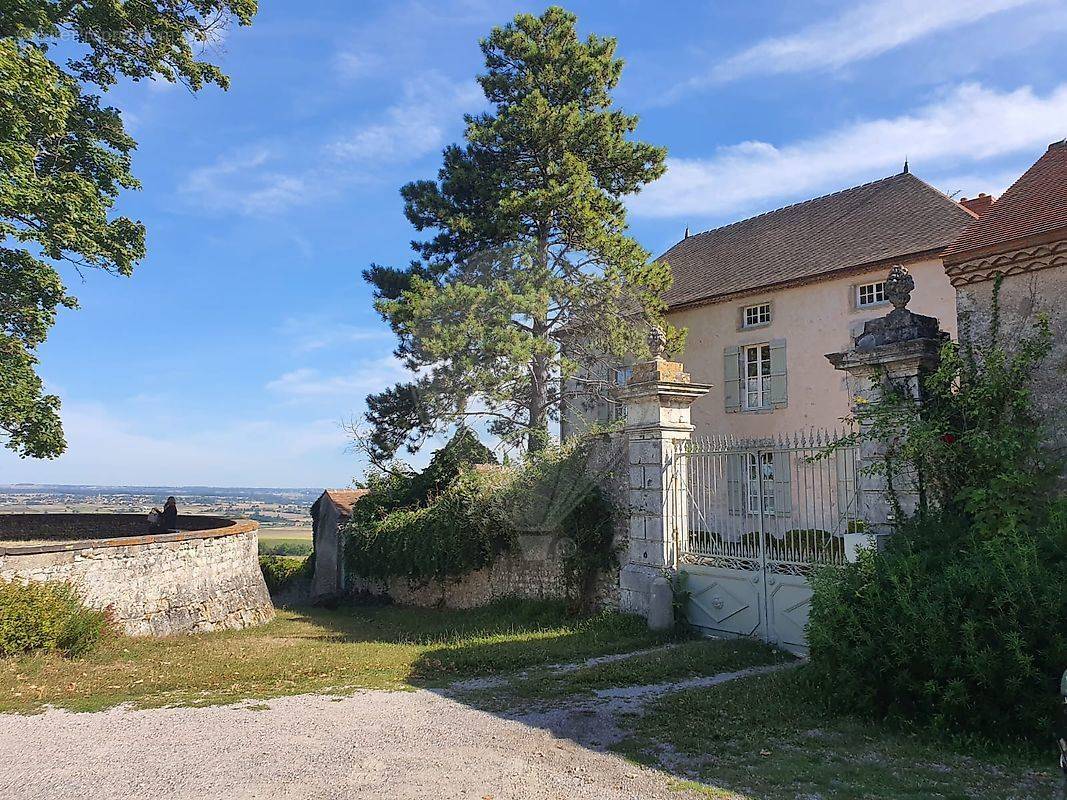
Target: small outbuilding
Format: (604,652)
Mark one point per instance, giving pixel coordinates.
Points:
(328,515)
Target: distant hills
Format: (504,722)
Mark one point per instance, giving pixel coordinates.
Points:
(262,494)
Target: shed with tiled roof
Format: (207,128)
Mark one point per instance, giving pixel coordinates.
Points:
(328,515)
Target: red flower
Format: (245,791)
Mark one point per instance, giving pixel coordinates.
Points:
(948,438)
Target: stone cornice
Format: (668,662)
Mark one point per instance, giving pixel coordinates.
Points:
(1014,262)
(887,355)
(235,527)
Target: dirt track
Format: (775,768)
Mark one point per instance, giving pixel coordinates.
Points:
(374,744)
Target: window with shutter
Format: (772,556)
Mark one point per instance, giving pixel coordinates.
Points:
(760,480)
(755,374)
(779,383)
(731,380)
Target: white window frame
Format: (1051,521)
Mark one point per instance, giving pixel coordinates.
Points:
(753,483)
(761,315)
(875,292)
(756,383)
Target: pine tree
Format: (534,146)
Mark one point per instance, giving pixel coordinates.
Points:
(529,276)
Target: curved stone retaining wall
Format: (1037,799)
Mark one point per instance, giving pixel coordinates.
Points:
(201,578)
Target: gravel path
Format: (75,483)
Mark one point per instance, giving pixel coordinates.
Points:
(374,744)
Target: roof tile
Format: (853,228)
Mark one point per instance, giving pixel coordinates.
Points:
(891,218)
(1035,204)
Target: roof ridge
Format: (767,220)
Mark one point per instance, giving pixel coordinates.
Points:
(944,195)
(798,204)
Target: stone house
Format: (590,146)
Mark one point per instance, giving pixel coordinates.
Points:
(1023,237)
(328,514)
(765,298)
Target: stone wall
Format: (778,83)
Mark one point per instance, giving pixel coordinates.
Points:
(533,568)
(156,585)
(1039,285)
(532,571)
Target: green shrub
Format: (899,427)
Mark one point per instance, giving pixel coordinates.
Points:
(553,492)
(962,620)
(279,572)
(947,627)
(47,616)
(462,529)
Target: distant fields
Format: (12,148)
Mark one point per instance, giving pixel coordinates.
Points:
(284,541)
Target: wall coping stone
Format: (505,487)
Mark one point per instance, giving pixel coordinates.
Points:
(234,528)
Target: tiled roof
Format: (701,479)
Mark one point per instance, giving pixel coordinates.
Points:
(891,218)
(1035,204)
(344,499)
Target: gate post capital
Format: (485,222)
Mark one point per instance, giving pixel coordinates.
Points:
(658,398)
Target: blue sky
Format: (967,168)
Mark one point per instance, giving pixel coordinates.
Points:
(246,337)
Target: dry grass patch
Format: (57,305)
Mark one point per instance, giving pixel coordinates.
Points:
(317,650)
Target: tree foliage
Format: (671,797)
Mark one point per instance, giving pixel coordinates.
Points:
(959,621)
(528,246)
(65,158)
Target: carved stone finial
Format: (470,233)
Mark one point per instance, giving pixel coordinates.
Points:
(657,341)
(899,286)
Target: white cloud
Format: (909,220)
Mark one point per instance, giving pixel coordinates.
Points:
(245,182)
(312,332)
(413,127)
(970,124)
(255,181)
(306,383)
(352,65)
(861,32)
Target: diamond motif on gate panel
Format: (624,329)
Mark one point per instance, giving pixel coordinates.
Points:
(718,602)
(795,615)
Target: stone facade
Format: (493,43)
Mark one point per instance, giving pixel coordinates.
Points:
(157,585)
(1034,281)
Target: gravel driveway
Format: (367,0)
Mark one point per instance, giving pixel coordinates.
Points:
(374,744)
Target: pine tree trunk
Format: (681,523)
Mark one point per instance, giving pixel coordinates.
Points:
(537,437)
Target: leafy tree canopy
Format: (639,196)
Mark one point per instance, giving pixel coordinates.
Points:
(64,158)
(528,277)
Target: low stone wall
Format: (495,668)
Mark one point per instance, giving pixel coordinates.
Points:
(532,570)
(154,585)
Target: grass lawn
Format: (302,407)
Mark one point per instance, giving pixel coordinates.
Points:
(316,650)
(759,737)
(683,660)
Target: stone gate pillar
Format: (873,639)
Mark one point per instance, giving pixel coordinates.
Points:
(658,397)
(894,351)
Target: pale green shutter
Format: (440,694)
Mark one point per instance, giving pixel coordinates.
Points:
(731,378)
(779,382)
(735,490)
(783,484)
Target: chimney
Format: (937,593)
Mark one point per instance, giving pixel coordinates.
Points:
(977,205)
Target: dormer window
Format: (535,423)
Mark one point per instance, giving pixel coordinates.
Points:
(755,316)
(870,294)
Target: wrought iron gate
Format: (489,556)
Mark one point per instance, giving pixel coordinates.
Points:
(754,518)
